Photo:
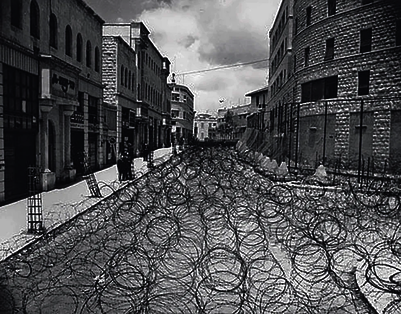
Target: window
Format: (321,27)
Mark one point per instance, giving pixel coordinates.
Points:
(126,77)
(398,33)
(308,15)
(325,88)
(53,31)
(88,54)
(97,59)
(366,40)
(68,41)
(16,13)
(202,125)
(174,113)
(122,75)
(329,49)
(133,82)
(331,7)
(34,19)
(79,47)
(307,55)
(175,97)
(363,82)
(330,87)
(129,80)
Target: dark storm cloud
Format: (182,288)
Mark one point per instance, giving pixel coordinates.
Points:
(124,10)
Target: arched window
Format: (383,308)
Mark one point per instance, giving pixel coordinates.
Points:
(129,80)
(53,30)
(122,75)
(97,59)
(34,19)
(79,47)
(68,41)
(16,13)
(126,78)
(88,54)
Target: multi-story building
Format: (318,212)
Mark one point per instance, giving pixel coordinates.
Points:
(344,102)
(120,92)
(281,80)
(257,119)
(182,113)
(50,67)
(205,126)
(232,122)
(152,116)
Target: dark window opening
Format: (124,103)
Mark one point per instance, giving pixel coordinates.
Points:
(35,19)
(53,31)
(122,75)
(79,47)
(97,59)
(325,88)
(331,7)
(363,82)
(329,49)
(307,55)
(68,41)
(308,15)
(366,40)
(16,13)
(88,54)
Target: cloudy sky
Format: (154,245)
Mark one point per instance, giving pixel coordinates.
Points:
(205,34)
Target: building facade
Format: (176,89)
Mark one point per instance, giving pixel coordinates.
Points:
(205,126)
(182,113)
(51,92)
(153,95)
(120,92)
(259,98)
(343,105)
(232,122)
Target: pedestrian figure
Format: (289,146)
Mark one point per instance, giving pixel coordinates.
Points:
(121,168)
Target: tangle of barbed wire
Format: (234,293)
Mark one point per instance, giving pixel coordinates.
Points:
(206,233)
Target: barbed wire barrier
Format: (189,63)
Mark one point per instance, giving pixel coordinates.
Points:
(205,233)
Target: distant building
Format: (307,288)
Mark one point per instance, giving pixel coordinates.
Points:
(257,119)
(182,112)
(232,121)
(152,103)
(120,93)
(338,97)
(51,93)
(205,126)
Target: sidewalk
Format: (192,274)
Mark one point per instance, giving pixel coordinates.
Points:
(59,205)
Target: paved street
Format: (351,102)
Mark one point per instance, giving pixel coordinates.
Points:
(205,233)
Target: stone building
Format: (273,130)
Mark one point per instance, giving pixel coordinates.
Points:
(341,102)
(182,112)
(205,126)
(153,95)
(120,92)
(50,67)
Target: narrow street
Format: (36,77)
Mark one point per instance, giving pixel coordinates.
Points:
(206,233)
